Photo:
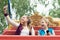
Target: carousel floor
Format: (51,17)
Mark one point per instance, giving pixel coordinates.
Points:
(18,37)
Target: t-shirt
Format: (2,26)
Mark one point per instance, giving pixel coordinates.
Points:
(25,31)
(42,32)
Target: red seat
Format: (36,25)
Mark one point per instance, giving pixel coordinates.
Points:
(57,32)
(9,32)
(55,28)
(12,31)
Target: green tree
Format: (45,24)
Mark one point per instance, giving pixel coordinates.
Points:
(56,11)
(3,24)
(22,7)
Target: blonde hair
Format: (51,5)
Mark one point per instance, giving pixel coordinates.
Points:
(46,20)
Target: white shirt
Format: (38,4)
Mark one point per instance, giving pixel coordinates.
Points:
(25,31)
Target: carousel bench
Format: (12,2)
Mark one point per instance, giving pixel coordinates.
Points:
(12,32)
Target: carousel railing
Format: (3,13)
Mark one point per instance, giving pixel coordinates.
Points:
(18,37)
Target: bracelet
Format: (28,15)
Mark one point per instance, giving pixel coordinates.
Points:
(5,14)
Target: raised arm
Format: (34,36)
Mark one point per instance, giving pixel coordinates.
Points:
(12,22)
(8,18)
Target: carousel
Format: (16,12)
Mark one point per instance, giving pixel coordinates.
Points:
(35,22)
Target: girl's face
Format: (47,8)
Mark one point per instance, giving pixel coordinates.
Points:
(24,19)
(43,23)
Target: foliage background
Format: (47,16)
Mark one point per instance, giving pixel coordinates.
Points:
(23,7)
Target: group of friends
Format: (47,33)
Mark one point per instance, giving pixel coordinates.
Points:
(24,28)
